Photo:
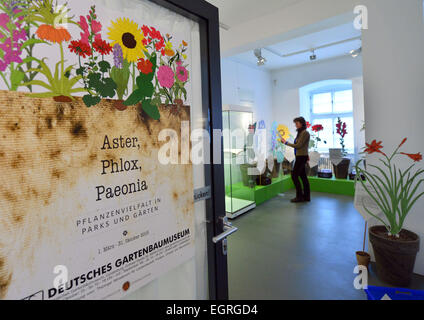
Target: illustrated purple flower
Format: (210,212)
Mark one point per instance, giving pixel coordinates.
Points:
(118,56)
(11,51)
(4,20)
(182,74)
(166,77)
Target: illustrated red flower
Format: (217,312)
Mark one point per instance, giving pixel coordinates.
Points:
(403,142)
(417,157)
(160,45)
(146,30)
(145,66)
(374,147)
(308,124)
(80,48)
(317,128)
(102,47)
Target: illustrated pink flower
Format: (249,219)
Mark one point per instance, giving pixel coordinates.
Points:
(182,74)
(4,20)
(96,26)
(3,66)
(166,77)
(84,38)
(83,24)
(19,35)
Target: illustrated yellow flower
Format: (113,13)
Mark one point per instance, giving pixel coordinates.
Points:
(168,49)
(184,56)
(127,34)
(284,132)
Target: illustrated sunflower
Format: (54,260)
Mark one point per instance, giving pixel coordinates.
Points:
(284,132)
(127,34)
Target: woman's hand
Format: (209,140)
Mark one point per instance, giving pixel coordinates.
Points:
(283,140)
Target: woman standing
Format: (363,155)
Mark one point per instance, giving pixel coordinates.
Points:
(301,146)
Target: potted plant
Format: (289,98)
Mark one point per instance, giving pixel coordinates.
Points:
(363,257)
(341,170)
(315,140)
(394,191)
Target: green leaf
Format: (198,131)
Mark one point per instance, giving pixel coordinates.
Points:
(31,42)
(94,81)
(134,98)
(80,71)
(104,66)
(121,78)
(38,83)
(43,95)
(90,100)
(107,90)
(151,110)
(16,79)
(147,90)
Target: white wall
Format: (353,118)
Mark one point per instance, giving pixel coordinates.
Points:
(394,85)
(287,82)
(237,76)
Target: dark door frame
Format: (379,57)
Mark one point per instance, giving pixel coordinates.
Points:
(208,18)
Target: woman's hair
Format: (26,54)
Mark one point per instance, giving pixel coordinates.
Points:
(302,121)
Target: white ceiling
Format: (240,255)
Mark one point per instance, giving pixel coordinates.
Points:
(235,12)
(308,41)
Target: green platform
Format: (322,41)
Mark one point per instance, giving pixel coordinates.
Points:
(261,194)
(333,186)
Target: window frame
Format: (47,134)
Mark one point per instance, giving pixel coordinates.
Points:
(333,115)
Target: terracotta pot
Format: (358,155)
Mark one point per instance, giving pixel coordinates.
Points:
(119,105)
(63,99)
(287,167)
(311,172)
(363,259)
(248,181)
(341,171)
(276,170)
(395,258)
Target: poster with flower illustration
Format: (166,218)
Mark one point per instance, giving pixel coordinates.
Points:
(88,210)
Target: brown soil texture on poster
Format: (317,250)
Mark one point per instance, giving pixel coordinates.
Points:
(47,146)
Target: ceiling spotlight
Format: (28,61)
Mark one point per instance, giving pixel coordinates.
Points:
(355,53)
(261,59)
(313,56)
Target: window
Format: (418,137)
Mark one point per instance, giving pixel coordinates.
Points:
(326,107)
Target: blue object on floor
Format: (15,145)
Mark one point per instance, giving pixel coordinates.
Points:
(377,293)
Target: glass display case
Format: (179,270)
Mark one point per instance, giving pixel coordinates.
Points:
(238,152)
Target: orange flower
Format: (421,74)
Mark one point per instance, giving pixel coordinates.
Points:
(52,34)
(416,157)
(374,147)
(185,44)
(169,52)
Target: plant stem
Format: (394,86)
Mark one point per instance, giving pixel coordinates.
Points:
(365,235)
(133,77)
(62,68)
